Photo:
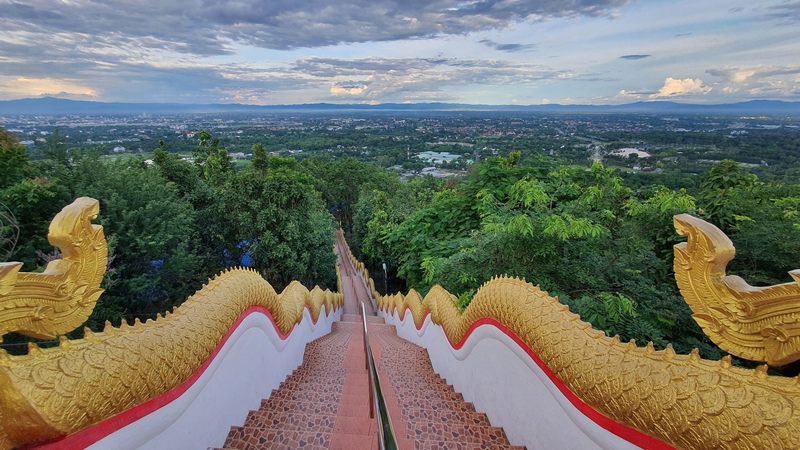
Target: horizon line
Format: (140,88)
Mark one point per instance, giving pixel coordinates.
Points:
(373,104)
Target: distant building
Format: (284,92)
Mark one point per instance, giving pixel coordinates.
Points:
(438,157)
(626,152)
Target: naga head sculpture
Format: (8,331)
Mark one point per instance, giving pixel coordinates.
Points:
(751,322)
(54,302)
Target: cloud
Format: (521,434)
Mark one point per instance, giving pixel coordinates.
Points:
(212,27)
(634,95)
(675,87)
(509,47)
(786,12)
(758,81)
(36,87)
(418,79)
(342,89)
(634,57)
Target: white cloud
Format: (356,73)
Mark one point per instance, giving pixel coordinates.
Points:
(35,87)
(348,89)
(677,87)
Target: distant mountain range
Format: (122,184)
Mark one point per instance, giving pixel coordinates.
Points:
(59,106)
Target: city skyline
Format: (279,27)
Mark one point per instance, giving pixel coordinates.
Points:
(479,52)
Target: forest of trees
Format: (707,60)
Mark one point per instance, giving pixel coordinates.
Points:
(170,225)
(582,233)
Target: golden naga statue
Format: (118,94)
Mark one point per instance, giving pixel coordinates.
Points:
(60,299)
(683,400)
(755,323)
(50,393)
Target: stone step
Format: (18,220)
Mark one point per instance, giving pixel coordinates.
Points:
(270,438)
(304,407)
(432,431)
(425,394)
(470,418)
(454,445)
(436,403)
(312,371)
(311,386)
(283,420)
(357,318)
(305,395)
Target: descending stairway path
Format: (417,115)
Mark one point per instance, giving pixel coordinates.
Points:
(324,404)
(426,412)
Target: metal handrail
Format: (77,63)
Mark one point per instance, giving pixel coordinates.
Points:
(385,435)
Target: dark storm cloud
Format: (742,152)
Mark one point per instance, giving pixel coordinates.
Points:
(508,47)
(634,57)
(208,27)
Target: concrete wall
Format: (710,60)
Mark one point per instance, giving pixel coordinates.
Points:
(502,380)
(253,362)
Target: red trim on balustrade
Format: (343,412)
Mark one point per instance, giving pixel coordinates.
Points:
(625,432)
(98,431)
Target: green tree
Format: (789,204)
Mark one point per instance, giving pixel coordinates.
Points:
(151,232)
(281,219)
(721,188)
(214,162)
(260,160)
(14,162)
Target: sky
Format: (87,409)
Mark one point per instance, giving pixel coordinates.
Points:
(404,51)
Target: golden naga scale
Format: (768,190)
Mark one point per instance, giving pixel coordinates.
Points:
(683,400)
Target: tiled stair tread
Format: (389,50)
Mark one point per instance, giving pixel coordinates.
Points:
(431,431)
(286,394)
(303,407)
(357,318)
(334,373)
(413,388)
(423,395)
(310,386)
(410,381)
(454,445)
(445,416)
(436,403)
(421,382)
(289,421)
(276,439)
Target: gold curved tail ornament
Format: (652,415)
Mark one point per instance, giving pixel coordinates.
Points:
(755,323)
(60,299)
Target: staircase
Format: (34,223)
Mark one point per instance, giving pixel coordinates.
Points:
(325,403)
(420,402)
(322,404)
